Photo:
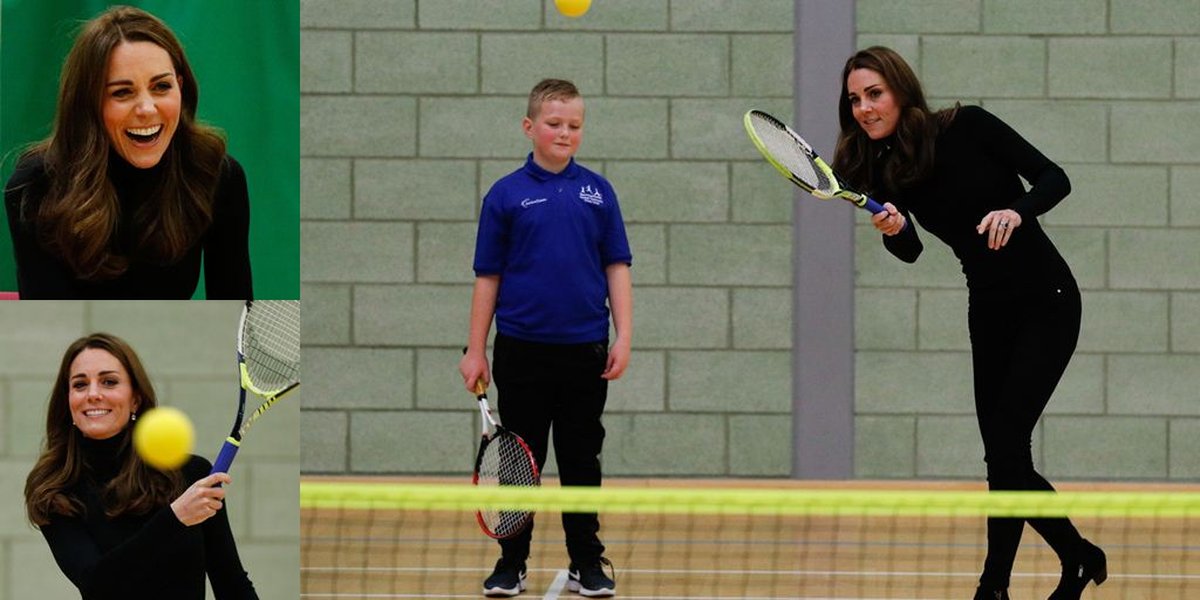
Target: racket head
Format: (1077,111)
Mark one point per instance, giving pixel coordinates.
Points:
(503,459)
(793,157)
(269,346)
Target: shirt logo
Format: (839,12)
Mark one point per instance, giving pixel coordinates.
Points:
(526,203)
(591,196)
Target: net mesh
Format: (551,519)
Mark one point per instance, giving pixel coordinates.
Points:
(419,540)
(504,461)
(270,343)
(780,144)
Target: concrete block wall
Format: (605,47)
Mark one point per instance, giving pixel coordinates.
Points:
(410,109)
(1107,88)
(187,349)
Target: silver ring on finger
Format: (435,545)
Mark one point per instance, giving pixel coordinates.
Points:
(1004,224)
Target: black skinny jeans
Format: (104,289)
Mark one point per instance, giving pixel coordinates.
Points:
(556,387)
(1021,342)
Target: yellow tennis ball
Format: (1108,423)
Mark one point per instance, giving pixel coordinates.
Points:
(573,8)
(163,437)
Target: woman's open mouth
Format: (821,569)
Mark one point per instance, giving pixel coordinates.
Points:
(144,135)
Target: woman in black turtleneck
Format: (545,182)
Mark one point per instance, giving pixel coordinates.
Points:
(130,194)
(117,528)
(959,172)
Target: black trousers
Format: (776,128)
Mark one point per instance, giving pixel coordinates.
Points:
(556,388)
(1021,342)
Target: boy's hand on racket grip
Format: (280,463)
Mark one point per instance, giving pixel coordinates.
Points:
(890,221)
(474,368)
(202,500)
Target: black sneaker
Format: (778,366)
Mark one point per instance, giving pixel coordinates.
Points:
(507,579)
(590,580)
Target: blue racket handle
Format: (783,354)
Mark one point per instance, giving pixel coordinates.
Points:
(877,208)
(225,457)
(873,206)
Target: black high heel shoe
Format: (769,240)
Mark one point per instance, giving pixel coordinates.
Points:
(1090,564)
(982,593)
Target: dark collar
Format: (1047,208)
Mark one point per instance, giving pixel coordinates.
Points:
(540,174)
(104,457)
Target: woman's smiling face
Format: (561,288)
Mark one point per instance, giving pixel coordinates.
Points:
(873,103)
(101,394)
(141,102)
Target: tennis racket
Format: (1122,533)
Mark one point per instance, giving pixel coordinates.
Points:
(268,352)
(503,459)
(796,160)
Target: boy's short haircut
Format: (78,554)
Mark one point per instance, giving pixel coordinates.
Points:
(547,90)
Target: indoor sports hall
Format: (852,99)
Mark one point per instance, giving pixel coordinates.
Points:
(797,419)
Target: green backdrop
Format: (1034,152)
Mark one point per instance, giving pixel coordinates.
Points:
(246,57)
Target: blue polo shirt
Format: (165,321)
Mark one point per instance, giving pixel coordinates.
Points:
(549,236)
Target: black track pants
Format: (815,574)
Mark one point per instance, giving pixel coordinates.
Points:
(556,388)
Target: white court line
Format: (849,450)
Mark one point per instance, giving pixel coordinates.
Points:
(764,572)
(557,586)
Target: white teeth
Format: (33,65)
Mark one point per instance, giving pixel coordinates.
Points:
(96,412)
(145,130)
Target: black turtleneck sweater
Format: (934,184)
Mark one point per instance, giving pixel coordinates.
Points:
(979,163)
(224,247)
(144,556)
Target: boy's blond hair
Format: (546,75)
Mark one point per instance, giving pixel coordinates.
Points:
(547,90)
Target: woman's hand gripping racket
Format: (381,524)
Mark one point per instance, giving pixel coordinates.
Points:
(796,160)
(503,459)
(268,351)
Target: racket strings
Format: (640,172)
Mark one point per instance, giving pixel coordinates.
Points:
(788,152)
(505,462)
(271,343)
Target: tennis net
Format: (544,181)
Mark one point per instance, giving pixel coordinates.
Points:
(390,539)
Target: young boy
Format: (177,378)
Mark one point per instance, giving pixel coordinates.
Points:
(551,250)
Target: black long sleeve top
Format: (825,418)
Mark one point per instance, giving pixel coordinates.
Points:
(224,248)
(145,556)
(978,166)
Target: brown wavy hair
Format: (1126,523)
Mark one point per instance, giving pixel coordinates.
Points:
(78,213)
(860,160)
(137,488)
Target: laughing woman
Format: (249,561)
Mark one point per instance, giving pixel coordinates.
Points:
(129,195)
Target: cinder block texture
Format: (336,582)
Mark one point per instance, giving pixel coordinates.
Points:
(325,188)
(1029,17)
(406,62)
(885,446)
(1185,446)
(411,116)
(1083,447)
(1185,201)
(358,14)
(1110,68)
(411,110)
(953,66)
(760,445)
(1167,17)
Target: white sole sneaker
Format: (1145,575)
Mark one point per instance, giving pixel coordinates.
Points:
(573,585)
(501,592)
